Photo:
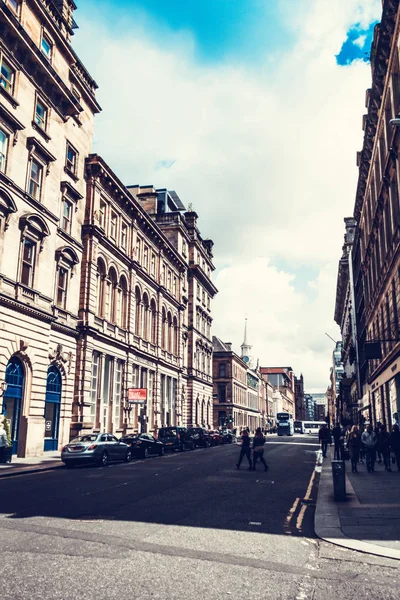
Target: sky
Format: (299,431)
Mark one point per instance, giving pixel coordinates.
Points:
(251,111)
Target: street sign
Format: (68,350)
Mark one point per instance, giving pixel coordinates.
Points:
(136,395)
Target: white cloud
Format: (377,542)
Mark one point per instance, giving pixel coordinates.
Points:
(265,155)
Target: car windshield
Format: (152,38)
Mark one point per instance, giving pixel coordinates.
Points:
(167,433)
(84,438)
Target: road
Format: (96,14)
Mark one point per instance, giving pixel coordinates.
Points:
(184,526)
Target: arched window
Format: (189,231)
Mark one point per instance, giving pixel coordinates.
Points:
(123,310)
(112,296)
(101,276)
(169,326)
(34,231)
(197,412)
(208,414)
(137,311)
(203,405)
(12,400)
(176,336)
(145,303)
(163,329)
(153,322)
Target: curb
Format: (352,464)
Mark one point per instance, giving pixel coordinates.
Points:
(13,471)
(327,520)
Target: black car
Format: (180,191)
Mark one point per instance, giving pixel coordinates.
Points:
(176,438)
(201,437)
(144,445)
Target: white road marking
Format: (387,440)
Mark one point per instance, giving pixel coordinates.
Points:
(257,523)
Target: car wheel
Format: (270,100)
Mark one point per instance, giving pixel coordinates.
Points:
(128,456)
(104,459)
(69,465)
(161,451)
(145,453)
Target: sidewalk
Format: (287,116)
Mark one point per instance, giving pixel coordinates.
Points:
(50,460)
(369,519)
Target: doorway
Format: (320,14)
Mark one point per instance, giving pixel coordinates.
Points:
(12,400)
(52,409)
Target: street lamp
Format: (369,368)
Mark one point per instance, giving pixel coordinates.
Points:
(395,122)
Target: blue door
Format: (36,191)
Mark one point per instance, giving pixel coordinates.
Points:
(12,400)
(52,409)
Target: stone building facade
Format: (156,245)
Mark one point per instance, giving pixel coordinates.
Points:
(240,397)
(283,380)
(103,288)
(376,246)
(300,412)
(47,104)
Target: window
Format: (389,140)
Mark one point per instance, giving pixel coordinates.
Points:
(198,292)
(14,5)
(40,114)
(138,245)
(35,179)
(113,226)
(66,216)
(46,46)
(62,283)
(71,159)
(117,394)
(174,288)
(169,281)
(94,384)
(3,150)
(28,262)
(102,214)
(146,257)
(7,76)
(124,236)
(75,93)
(153,265)
(222,370)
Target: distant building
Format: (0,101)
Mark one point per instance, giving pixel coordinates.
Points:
(299,398)
(282,379)
(309,407)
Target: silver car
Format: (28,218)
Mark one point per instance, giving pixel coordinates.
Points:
(98,448)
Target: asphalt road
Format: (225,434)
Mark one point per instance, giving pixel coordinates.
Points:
(185,526)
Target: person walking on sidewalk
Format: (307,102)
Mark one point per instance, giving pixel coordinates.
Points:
(324,437)
(394,442)
(368,438)
(354,446)
(245,449)
(337,434)
(378,449)
(3,443)
(383,444)
(258,449)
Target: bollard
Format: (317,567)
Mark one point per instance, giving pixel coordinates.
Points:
(339,479)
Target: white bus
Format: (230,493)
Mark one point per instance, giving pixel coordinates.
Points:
(310,426)
(285,423)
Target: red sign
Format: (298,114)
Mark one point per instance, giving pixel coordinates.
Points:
(137,395)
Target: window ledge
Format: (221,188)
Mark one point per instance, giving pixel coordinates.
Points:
(9,97)
(40,130)
(71,174)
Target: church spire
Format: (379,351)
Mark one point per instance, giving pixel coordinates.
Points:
(246,347)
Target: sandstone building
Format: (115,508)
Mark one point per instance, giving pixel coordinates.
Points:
(104,289)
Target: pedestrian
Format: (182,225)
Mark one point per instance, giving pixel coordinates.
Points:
(383,444)
(245,449)
(337,434)
(395,444)
(362,449)
(324,438)
(258,449)
(354,446)
(3,443)
(368,438)
(377,431)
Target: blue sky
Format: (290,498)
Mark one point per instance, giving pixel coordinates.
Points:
(357,45)
(222,29)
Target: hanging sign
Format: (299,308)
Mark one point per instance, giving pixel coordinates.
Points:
(136,395)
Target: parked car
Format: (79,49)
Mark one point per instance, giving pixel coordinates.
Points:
(201,437)
(144,445)
(216,438)
(98,448)
(227,435)
(176,438)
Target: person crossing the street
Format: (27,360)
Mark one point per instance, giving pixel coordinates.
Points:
(258,449)
(245,449)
